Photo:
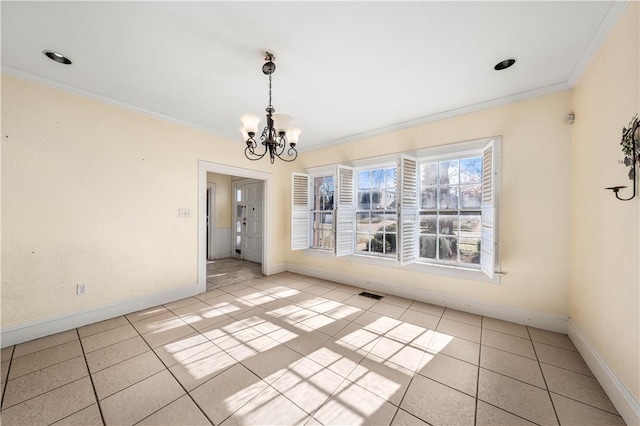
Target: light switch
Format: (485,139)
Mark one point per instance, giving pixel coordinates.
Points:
(184,212)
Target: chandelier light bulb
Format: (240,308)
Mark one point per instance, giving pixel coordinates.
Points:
(293,134)
(250,123)
(281,122)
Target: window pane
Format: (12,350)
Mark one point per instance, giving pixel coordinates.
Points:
(448,248)
(390,222)
(428,174)
(428,198)
(317,184)
(377,218)
(471,170)
(327,220)
(449,197)
(362,222)
(448,224)
(428,246)
(362,242)
(390,243)
(364,180)
(470,225)
(470,250)
(376,199)
(377,243)
(377,178)
(449,172)
(328,182)
(364,200)
(389,200)
(428,224)
(390,178)
(470,196)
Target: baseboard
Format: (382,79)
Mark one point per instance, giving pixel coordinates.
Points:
(622,399)
(506,313)
(36,329)
(276,269)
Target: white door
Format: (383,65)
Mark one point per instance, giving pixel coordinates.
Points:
(253,222)
(248,220)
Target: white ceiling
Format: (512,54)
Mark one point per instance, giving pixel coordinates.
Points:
(344,69)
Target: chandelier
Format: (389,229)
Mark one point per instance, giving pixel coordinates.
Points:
(276,134)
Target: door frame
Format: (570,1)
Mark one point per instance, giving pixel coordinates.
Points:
(205,167)
(211,217)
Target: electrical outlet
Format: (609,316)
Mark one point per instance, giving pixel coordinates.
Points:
(81,289)
(184,212)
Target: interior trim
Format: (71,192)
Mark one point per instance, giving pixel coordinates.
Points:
(506,313)
(59,323)
(620,396)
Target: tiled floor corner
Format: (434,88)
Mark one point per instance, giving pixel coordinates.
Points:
(291,349)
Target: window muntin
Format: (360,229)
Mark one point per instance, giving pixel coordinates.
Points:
(450,210)
(376,215)
(322,213)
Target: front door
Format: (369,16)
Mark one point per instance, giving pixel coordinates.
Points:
(248,220)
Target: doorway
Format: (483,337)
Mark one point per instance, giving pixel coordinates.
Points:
(247,219)
(259,195)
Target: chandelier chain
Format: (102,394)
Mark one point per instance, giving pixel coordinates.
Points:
(270,107)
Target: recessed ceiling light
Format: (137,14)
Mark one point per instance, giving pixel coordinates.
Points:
(503,65)
(58,57)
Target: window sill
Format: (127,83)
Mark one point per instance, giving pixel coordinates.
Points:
(443,270)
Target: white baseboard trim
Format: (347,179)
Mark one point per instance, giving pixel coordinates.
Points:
(506,313)
(41,328)
(276,269)
(622,399)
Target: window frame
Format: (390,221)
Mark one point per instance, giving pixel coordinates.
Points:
(407,251)
(370,211)
(313,212)
(437,211)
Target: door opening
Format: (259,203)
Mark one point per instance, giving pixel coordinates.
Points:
(261,220)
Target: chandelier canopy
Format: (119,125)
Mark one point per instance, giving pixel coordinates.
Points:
(276,134)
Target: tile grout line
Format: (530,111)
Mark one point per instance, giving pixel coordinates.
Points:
(475,417)
(93,386)
(426,351)
(544,378)
(172,375)
(4,385)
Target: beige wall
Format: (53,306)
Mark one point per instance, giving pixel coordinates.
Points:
(605,278)
(534,203)
(91,192)
(224,200)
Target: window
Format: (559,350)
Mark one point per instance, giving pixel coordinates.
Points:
(434,207)
(322,213)
(450,214)
(376,217)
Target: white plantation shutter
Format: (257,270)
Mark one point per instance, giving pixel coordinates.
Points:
(407,205)
(300,211)
(487,255)
(345,210)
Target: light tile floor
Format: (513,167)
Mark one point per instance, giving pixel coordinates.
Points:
(228,271)
(289,349)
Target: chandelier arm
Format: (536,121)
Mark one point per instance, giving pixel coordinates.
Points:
(251,155)
(294,155)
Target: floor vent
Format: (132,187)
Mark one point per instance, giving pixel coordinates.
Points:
(370,295)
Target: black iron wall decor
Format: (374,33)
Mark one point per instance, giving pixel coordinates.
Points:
(631,148)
